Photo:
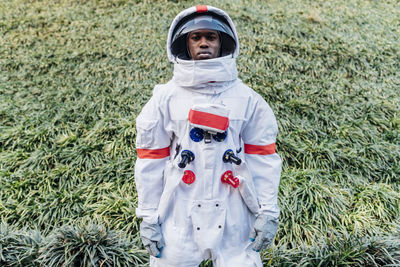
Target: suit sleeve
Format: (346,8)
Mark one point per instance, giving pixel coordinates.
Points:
(153,151)
(259,136)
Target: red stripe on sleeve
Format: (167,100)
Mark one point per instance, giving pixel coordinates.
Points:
(201,8)
(208,119)
(153,153)
(259,150)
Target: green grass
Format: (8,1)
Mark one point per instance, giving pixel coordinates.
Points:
(75,74)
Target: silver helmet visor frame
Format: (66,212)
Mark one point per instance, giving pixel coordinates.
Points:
(200,23)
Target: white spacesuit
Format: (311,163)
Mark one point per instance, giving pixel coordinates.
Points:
(207,174)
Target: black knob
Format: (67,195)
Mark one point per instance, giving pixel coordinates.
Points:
(229,156)
(187,157)
(219,137)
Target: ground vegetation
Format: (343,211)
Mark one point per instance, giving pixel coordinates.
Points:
(75,74)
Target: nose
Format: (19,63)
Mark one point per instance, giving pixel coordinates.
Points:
(203,42)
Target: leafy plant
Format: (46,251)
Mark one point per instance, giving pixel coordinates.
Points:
(18,247)
(91,245)
(341,250)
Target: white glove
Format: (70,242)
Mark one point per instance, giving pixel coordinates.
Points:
(152,238)
(263,232)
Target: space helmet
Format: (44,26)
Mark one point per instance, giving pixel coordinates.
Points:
(199,21)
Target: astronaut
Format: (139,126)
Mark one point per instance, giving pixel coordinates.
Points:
(207,173)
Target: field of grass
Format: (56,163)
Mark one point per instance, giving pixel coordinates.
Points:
(75,74)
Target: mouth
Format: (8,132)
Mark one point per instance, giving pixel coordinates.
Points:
(203,53)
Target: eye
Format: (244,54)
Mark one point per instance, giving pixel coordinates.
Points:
(195,37)
(212,37)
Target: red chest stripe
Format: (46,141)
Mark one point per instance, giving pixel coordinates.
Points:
(201,8)
(153,153)
(259,150)
(208,119)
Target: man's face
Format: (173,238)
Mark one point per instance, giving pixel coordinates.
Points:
(203,44)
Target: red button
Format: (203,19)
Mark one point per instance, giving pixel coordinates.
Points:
(188,177)
(228,178)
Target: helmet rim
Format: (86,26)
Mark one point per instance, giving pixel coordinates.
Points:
(208,20)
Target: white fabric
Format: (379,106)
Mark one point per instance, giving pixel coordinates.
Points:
(225,215)
(189,73)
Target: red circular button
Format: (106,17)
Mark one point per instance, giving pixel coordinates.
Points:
(188,177)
